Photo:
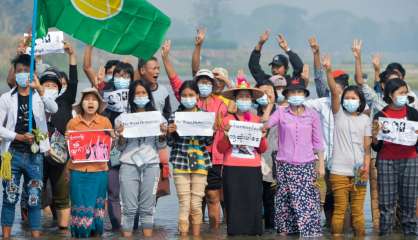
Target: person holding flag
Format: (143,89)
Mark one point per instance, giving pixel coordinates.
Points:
(21,150)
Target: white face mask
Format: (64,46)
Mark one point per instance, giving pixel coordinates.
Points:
(51,93)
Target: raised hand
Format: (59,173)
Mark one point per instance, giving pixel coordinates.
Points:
(35,84)
(165,49)
(314,44)
(376,60)
(326,62)
(282,43)
(264,37)
(305,73)
(68,48)
(100,77)
(200,36)
(357,48)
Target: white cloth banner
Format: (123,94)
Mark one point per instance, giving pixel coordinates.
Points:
(117,101)
(53,42)
(398,131)
(194,123)
(143,124)
(245,133)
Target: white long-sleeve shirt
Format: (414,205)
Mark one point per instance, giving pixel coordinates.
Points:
(8,117)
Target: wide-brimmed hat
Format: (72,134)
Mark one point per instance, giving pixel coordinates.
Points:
(242,84)
(296,84)
(102,104)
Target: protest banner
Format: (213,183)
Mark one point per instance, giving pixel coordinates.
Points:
(53,42)
(117,101)
(398,131)
(89,146)
(195,123)
(245,133)
(143,124)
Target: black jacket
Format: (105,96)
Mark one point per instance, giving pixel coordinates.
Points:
(258,73)
(411,115)
(65,103)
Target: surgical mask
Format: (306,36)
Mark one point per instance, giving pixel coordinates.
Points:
(108,77)
(205,89)
(188,102)
(280,96)
(401,101)
(121,83)
(21,79)
(63,89)
(351,105)
(141,101)
(296,100)
(51,93)
(244,105)
(263,101)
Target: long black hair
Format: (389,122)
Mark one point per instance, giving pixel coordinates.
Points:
(191,84)
(391,86)
(266,82)
(150,106)
(359,93)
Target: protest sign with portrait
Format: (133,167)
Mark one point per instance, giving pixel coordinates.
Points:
(89,146)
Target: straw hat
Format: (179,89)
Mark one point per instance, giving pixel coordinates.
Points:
(102,104)
(242,84)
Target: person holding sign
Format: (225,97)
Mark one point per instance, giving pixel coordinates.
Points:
(300,140)
(116,95)
(351,154)
(208,101)
(88,181)
(23,150)
(242,178)
(191,161)
(397,164)
(140,170)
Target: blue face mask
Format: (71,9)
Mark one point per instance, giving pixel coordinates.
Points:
(351,105)
(22,78)
(401,101)
(263,101)
(108,77)
(244,105)
(63,89)
(205,89)
(280,97)
(121,83)
(188,102)
(141,102)
(296,100)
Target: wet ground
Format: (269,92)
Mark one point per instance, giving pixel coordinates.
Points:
(166,226)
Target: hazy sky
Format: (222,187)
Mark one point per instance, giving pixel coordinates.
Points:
(380,10)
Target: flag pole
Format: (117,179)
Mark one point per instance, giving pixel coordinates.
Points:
(32,61)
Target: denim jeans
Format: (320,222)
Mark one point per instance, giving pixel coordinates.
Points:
(138,188)
(31,167)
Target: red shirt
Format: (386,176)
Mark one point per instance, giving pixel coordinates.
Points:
(392,151)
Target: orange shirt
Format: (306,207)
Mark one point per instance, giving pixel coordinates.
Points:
(79,124)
